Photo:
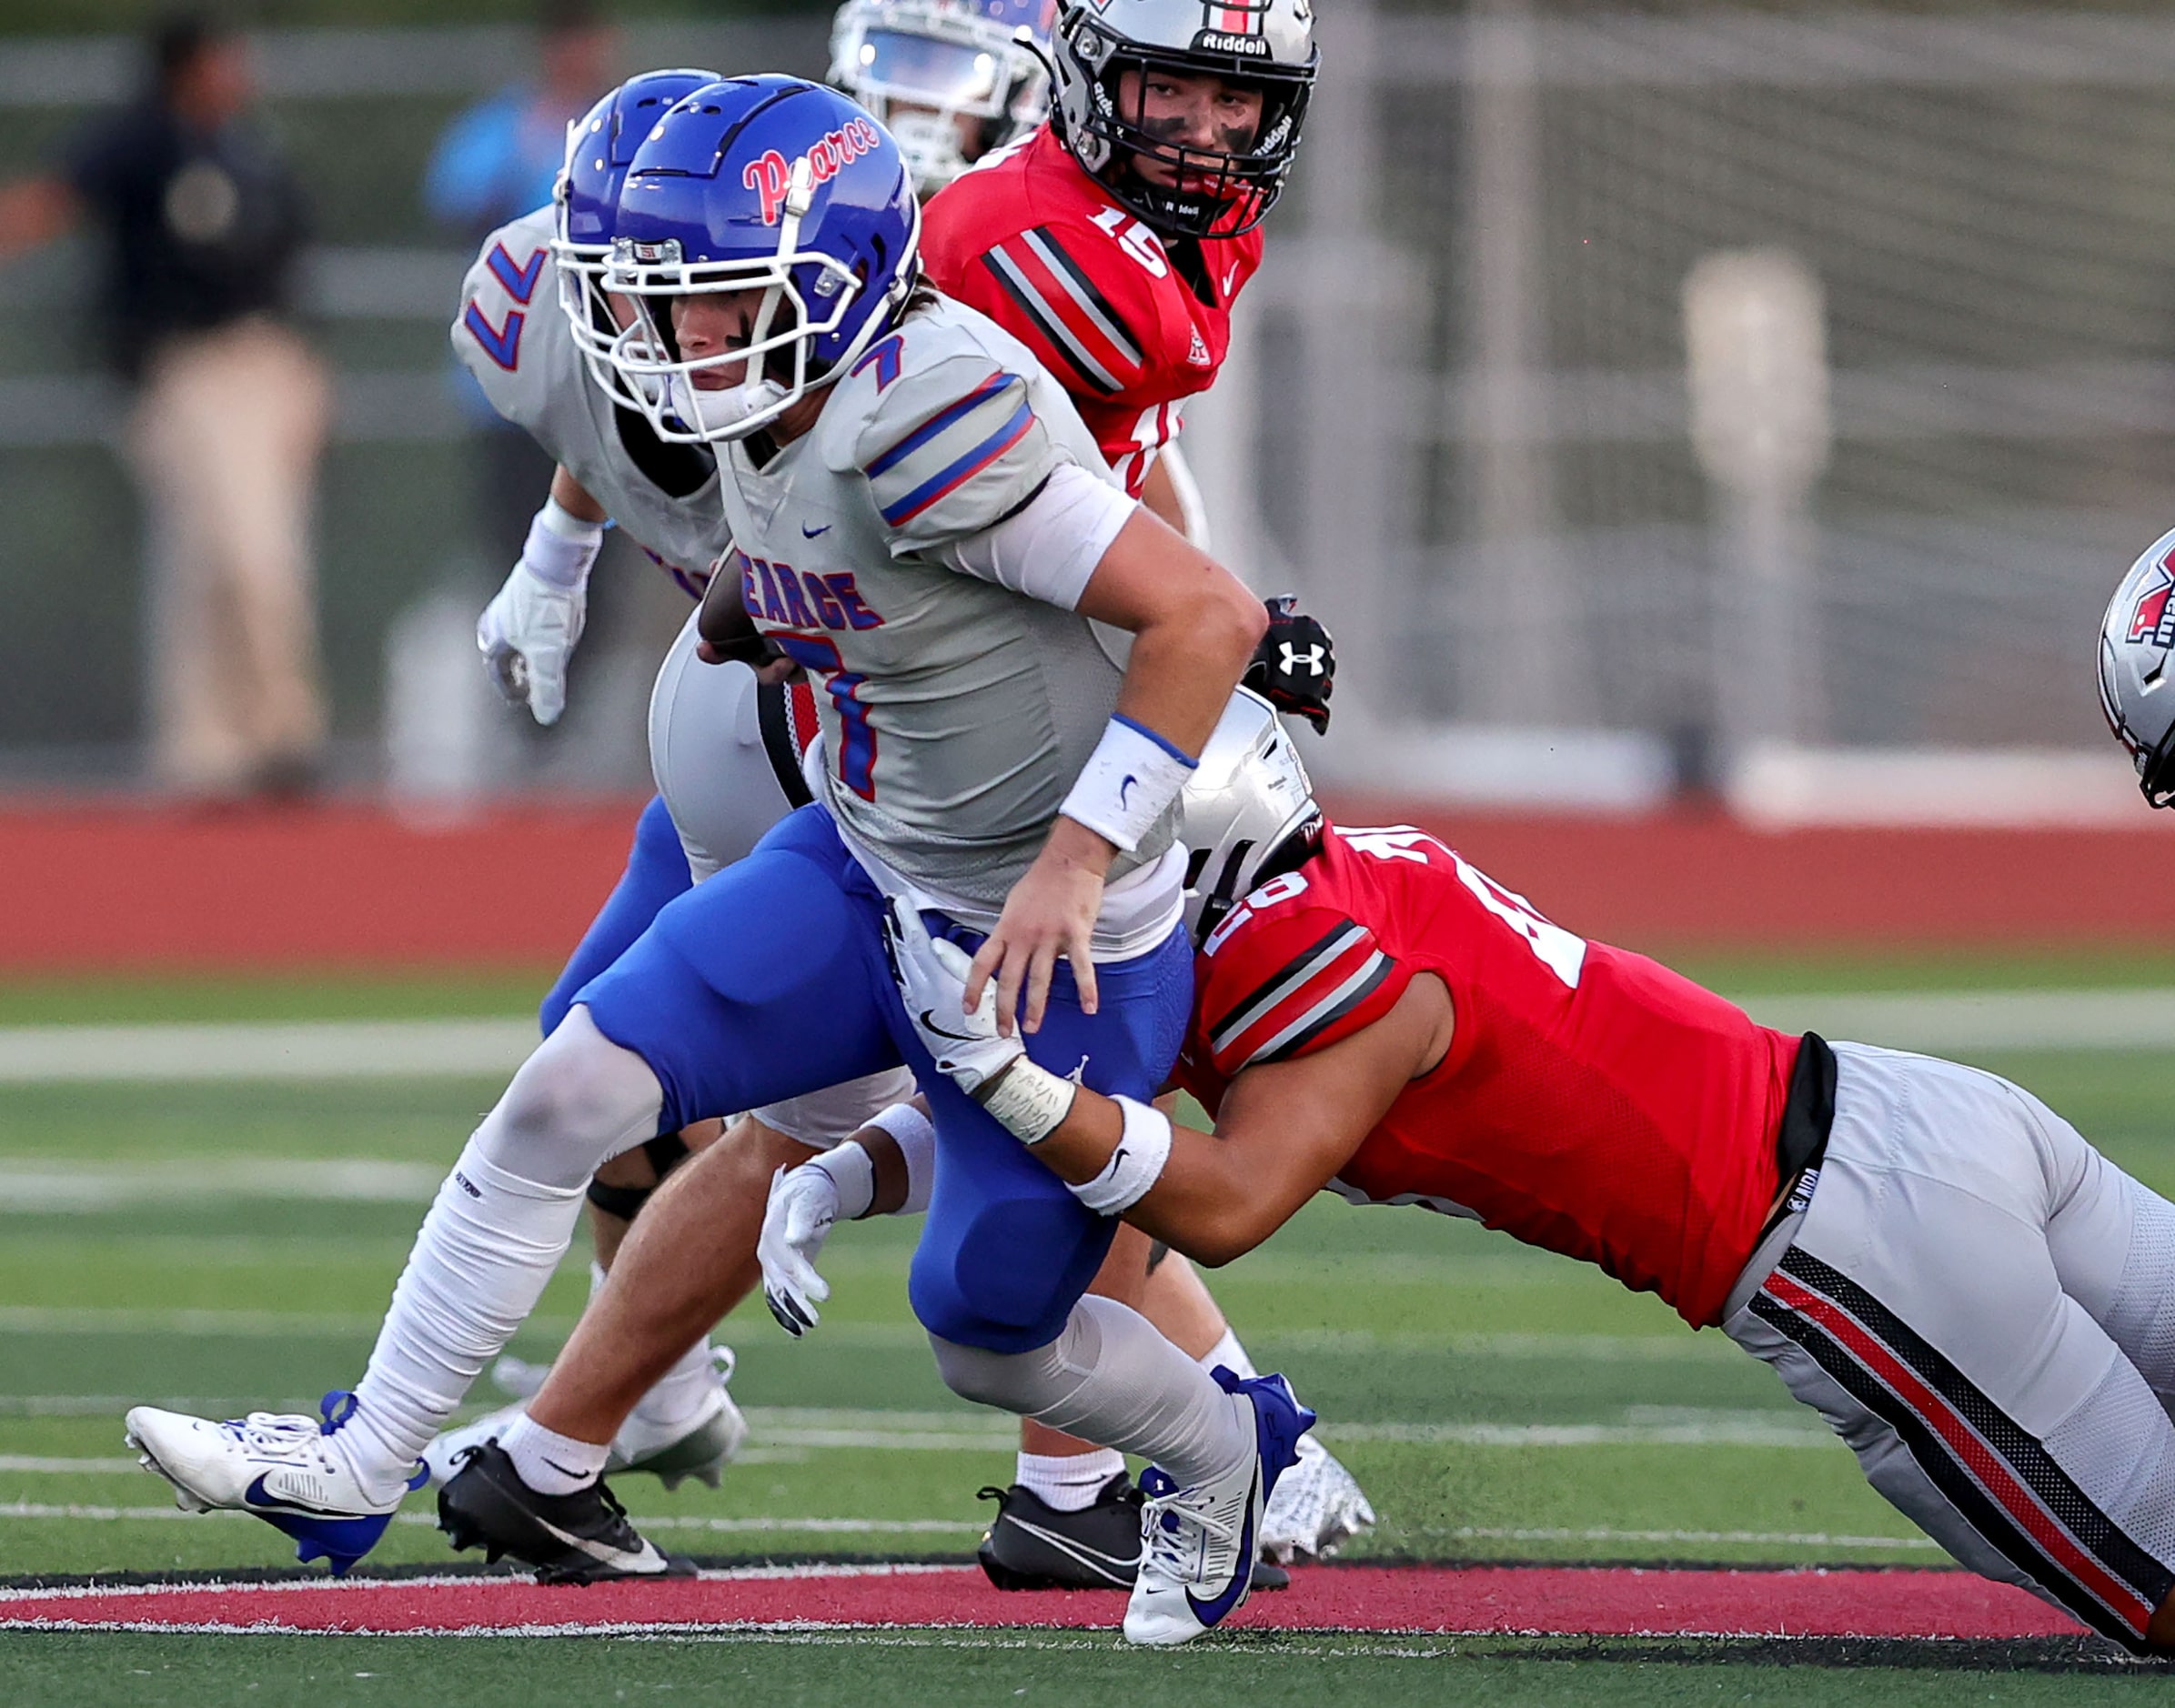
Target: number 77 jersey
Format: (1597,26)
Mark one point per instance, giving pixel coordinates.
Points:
(1592,1102)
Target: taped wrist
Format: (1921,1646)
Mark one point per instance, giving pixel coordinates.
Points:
(1135,1166)
(1028,1101)
(561,548)
(1128,783)
(854,1172)
(915,1135)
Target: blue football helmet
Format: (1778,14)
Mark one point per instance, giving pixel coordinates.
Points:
(600,146)
(950,79)
(770,185)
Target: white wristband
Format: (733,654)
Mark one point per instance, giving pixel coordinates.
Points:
(1135,1166)
(915,1135)
(561,546)
(853,1172)
(1029,1101)
(1128,781)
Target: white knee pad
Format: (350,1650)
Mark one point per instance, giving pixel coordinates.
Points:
(579,1101)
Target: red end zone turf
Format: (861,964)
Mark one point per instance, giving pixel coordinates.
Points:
(1475,1600)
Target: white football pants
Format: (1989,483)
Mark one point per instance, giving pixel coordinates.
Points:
(1983,1307)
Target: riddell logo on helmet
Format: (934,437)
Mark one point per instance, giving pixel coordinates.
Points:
(773,176)
(1219,42)
(2153,618)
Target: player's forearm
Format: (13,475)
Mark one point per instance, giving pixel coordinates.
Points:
(574,498)
(1185,667)
(1216,1197)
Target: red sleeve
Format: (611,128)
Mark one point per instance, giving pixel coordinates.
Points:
(1291,983)
(1063,290)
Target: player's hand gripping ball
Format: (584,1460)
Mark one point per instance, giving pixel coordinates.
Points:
(1294,668)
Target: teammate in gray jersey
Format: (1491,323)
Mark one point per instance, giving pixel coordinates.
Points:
(768,233)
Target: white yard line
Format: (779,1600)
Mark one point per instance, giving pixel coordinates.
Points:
(2141,1018)
(299,1049)
(85,1186)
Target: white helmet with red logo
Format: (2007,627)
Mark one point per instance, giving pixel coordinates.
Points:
(1101,117)
(2136,688)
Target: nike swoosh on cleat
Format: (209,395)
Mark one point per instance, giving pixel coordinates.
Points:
(1210,1612)
(1092,1557)
(257,1498)
(601,1552)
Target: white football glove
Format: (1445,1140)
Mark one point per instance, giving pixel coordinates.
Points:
(932,979)
(525,635)
(804,1203)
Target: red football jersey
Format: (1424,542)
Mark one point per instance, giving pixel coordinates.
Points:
(1593,1103)
(1033,242)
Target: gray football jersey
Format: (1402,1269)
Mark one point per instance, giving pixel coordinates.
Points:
(511,335)
(956,713)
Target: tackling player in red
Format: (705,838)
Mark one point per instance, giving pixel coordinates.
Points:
(1974,1298)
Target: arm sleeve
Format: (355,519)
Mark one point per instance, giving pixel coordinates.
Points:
(952,452)
(1049,549)
(1287,986)
(1061,292)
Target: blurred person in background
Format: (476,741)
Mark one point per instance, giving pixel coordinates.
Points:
(496,161)
(200,222)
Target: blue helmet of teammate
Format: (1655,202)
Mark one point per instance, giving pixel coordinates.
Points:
(950,79)
(790,198)
(600,146)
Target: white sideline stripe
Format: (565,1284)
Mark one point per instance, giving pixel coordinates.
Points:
(2141,1019)
(452,1580)
(1942,1020)
(54,1187)
(755,1526)
(1797,1538)
(298,1050)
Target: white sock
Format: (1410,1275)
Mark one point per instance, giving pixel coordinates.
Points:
(1229,1353)
(549,1462)
(478,1265)
(1069,1482)
(684,1393)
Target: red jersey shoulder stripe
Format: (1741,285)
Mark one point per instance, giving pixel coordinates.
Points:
(1074,319)
(1300,1003)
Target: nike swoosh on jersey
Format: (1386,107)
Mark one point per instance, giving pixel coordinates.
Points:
(257,1495)
(810,533)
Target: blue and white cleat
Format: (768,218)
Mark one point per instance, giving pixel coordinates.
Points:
(1199,1544)
(293,1472)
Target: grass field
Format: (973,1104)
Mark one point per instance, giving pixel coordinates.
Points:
(176,1243)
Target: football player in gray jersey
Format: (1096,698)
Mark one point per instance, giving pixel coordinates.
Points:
(726,767)
(767,235)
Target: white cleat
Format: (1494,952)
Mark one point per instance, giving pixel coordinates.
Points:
(1318,1505)
(700,1447)
(1199,1543)
(293,1472)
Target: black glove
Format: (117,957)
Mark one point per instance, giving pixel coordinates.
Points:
(1294,668)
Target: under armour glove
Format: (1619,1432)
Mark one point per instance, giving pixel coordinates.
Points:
(804,1203)
(933,978)
(1294,668)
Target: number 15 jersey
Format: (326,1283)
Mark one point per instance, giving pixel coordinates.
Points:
(1592,1102)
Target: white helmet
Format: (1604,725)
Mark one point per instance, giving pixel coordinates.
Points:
(950,79)
(1268,44)
(1246,800)
(2137,690)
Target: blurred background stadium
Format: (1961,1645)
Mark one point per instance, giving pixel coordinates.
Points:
(1712,432)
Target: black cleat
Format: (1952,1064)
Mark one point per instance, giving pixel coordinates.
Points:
(581,1538)
(1031,1545)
